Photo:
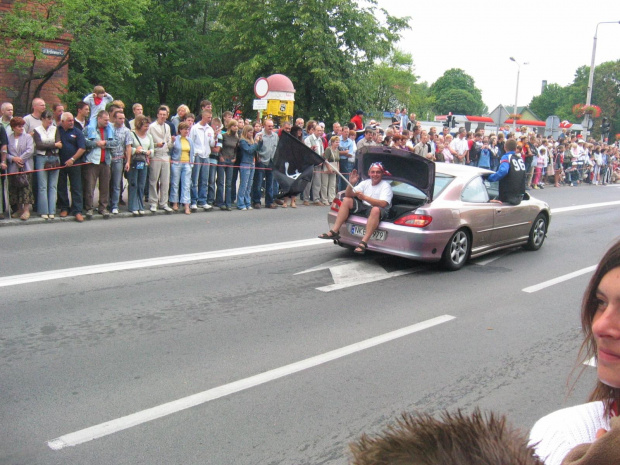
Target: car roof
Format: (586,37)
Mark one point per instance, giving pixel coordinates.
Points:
(454,169)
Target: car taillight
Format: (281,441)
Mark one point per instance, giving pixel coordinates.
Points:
(416,221)
(335,207)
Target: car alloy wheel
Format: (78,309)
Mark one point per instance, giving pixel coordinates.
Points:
(537,233)
(456,252)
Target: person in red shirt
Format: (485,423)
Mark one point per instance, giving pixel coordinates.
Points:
(358,121)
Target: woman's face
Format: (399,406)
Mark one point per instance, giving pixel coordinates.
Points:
(606,328)
(18,130)
(184,132)
(234,128)
(46,122)
(257,127)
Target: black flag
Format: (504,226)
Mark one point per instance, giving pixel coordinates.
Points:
(293,165)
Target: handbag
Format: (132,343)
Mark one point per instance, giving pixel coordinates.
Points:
(51,164)
(20,180)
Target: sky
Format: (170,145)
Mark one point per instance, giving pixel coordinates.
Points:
(480,36)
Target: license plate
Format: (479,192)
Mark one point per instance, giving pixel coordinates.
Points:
(378,235)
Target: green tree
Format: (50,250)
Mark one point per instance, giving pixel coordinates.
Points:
(457,101)
(392,82)
(327,48)
(23,29)
(457,79)
(550,101)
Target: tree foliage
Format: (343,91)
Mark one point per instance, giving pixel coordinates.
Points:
(558,100)
(469,97)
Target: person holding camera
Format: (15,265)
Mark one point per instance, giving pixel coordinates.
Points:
(137,164)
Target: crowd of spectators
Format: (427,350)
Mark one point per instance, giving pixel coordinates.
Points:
(57,161)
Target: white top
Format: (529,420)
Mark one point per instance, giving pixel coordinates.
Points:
(556,434)
(381,191)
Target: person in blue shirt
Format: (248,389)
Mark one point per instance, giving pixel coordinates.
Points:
(510,175)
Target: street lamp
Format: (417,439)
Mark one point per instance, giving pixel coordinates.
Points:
(591,78)
(514,111)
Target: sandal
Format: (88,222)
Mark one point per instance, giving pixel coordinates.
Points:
(293,204)
(284,205)
(24,216)
(334,235)
(362,246)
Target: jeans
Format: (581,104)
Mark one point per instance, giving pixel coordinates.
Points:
(47,185)
(224,184)
(233,187)
(74,174)
(116,177)
(212,174)
(246,173)
(345,170)
(200,181)
(180,174)
(137,181)
(263,171)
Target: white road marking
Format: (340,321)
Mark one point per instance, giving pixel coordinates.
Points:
(353,272)
(138,418)
(150,262)
(555,211)
(559,279)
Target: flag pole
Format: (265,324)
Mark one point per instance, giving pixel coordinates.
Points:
(341,175)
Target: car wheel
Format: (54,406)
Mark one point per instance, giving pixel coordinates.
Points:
(537,233)
(457,251)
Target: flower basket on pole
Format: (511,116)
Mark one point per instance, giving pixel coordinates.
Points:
(580,110)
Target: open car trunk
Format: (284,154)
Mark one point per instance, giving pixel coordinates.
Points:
(404,167)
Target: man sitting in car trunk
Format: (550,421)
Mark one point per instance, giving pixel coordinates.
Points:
(371,198)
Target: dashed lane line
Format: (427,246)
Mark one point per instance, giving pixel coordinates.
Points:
(138,418)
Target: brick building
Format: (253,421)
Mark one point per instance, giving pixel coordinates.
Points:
(53,53)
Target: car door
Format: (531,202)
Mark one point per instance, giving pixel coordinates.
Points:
(477,212)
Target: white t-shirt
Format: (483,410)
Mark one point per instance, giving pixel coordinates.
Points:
(381,191)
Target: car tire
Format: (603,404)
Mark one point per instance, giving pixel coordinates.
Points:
(537,233)
(457,251)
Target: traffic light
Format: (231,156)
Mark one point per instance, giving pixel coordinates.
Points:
(605,127)
(449,121)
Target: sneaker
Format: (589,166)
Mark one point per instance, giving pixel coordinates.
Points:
(89,214)
(115,211)
(135,213)
(106,214)
(51,217)
(45,217)
(141,212)
(249,208)
(167,208)
(223,207)
(153,208)
(243,209)
(228,209)
(207,207)
(194,207)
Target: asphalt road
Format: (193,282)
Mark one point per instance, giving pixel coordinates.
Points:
(84,347)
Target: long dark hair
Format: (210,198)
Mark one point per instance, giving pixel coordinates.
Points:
(589,306)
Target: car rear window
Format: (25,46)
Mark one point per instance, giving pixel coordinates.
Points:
(403,189)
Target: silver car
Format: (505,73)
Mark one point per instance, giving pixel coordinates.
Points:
(442,212)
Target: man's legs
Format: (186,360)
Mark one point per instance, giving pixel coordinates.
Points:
(75,179)
(343,212)
(212,177)
(373,223)
(257,184)
(316,185)
(63,194)
(154,172)
(164,184)
(89,180)
(104,187)
(269,186)
(203,182)
(116,177)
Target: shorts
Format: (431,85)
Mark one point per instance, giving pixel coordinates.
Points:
(361,209)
